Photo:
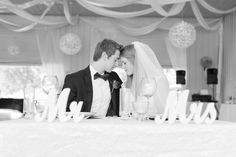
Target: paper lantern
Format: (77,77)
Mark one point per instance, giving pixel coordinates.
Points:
(48,3)
(13,50)
(70,44)
(182,35)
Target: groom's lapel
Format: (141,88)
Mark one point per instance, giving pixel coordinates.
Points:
(113,109)
(88,89)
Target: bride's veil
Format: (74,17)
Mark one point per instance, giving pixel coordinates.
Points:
(146,65)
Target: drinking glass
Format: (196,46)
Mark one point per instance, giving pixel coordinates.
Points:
(40,105)
(148,89)
(125,103)
(141,109)
(29,96)
(50,82)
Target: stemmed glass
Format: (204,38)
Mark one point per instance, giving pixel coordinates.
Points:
(50,82)
(29,98)
(141,109)
(50,86)
(148,88)
(125,103)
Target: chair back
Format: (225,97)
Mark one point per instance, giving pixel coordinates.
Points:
(11,103)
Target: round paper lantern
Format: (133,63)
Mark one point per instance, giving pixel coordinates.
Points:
(48,3)
(182,35)
(70,44)
(13,50)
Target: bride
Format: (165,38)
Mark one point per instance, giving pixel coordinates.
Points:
(139,62)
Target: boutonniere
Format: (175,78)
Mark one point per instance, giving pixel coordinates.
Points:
(115,85)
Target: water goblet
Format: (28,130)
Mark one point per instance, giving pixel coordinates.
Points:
(148,89)
(141,109)
(125,103)
(49,82)
(28,103)
(50,86)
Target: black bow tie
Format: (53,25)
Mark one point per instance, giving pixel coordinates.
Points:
(104,76)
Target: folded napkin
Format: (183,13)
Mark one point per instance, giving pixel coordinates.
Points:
(8,114)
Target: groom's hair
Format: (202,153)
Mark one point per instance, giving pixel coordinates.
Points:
(108,46)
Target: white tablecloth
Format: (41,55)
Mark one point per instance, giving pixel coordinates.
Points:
(115,137)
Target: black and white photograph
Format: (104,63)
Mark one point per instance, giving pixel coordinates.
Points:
(126,78)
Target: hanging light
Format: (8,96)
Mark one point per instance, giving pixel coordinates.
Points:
(48,3)
(182,34)
(13,50)
(70,43)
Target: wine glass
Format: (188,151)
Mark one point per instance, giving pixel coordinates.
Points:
(29,98)
(125,103)
(148,88)
(50,82)
(141,108)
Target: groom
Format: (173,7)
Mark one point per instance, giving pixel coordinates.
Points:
(96,85)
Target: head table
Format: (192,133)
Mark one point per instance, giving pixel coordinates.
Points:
(116,137)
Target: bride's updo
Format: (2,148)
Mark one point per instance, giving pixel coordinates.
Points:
(128,52)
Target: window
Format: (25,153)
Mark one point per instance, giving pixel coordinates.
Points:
(13,80)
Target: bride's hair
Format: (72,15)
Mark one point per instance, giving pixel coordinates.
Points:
(128,52)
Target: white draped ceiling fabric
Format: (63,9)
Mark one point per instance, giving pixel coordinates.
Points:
(104,8)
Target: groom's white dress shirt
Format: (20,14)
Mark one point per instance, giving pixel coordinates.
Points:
(101,94)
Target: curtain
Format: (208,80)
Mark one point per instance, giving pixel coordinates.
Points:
(206,44)
(24,47)
(55,62)
(229,64)
(94,29)
(177,56)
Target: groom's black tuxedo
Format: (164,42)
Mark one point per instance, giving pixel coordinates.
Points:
(80,84)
